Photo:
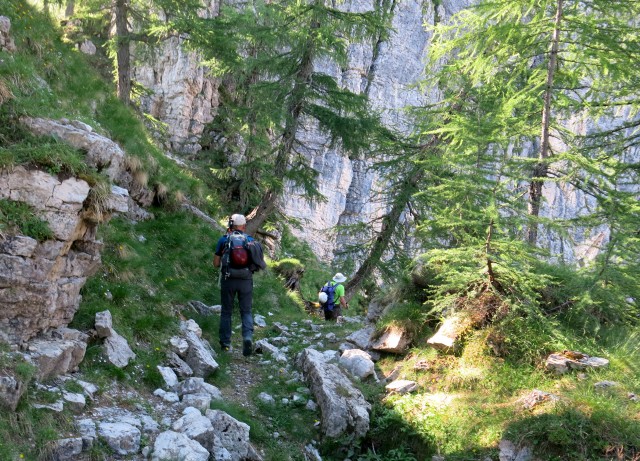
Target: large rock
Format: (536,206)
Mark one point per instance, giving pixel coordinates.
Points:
(394,339)
(198,386)
(58,354)
(11,389)
(199,355)
(233,435)
(118,351)
(450,332)
(197,427)
(264,345)
(172,446)
(562,362)
(104,324)
(358,363)
(122,438)
(344,409)
(67,449)
(362,338)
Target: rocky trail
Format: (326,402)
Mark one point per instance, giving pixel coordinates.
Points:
(176,421)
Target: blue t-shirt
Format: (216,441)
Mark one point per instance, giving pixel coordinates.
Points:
(223,240)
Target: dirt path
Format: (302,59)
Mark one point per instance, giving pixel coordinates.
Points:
(244,373)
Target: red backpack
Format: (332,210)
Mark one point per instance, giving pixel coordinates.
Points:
(235,254)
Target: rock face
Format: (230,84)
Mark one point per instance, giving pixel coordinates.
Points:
(186,100)
(182,96)
(40,281)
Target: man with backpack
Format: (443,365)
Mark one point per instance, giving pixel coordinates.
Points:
(238,256)
(332,298)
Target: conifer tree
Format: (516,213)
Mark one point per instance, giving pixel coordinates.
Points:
(126,22)
(548,61)
(268,53)
(529,68)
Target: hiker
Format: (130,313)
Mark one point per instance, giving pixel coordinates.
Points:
(332,298)
(238,255)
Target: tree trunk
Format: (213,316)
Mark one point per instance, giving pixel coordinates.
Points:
(390,221)
(269,202)
(123,54)
(541,169)
(381,243)
(70,8)
(259,214)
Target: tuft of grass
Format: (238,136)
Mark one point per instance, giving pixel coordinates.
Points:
(20,217)
(568,433)
(5,92)
(407,315)
(19,147)
(29,433)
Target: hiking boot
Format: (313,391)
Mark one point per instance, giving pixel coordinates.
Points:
(247,347)
(225,348)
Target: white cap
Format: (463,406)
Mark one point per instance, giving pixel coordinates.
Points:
(238,220)
(339,277)
(322,297)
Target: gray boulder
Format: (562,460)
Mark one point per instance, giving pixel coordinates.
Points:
(11,389)
(343,407)
(122,438)
(358,363)
(233,435)
(172,446)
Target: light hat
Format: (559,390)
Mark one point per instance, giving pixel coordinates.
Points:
(322,297)
(339,277)
(238,220)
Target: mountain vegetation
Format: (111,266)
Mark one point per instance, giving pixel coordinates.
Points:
(530,93)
